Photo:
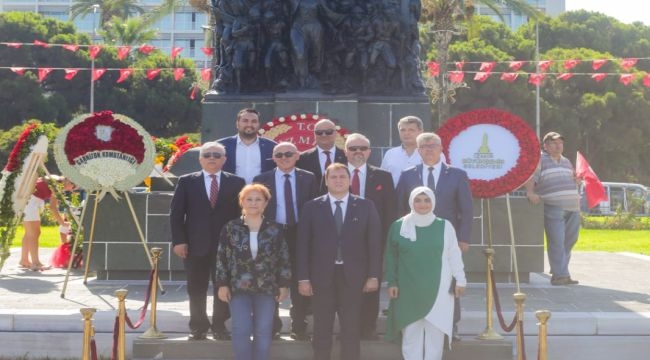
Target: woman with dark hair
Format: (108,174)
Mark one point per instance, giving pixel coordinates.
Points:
(253,273)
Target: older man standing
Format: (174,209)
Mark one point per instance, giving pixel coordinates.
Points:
(554,184)
(290,189)
(318,158)
(375,184)
(202,203)
(248,154)
(451,188)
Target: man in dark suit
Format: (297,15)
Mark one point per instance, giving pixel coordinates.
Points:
(202,203)
(285,208)
(339,258)
(248,154)
(318,158)
(375,184)
(453,194)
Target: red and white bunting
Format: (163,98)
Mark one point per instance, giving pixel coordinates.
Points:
(487,66)
(70,73)
(123,51)
(146,49)
(207,51)
(456,77)
(18,70)
(570,64)
(481,76)
(175,52)
(179,73)
(536,78)
(97,73)
(597,64)
(544,65)
(42,44)
(206,74)
(93,51)
(195,89)
(124,74)
(628,63)
(509,77)
(516,65)
(152,74)
(564,76)
(434,68)
(43,72)
(598,76)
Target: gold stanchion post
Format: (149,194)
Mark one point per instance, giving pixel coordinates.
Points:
(152,332)
(489,333)
(519,301)
(89,331)
(543,316)
(121,332)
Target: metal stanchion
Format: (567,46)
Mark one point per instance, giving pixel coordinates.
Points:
(489,333)
(89,331)
(121,333)
(519,300)
(152,332)
(542,316)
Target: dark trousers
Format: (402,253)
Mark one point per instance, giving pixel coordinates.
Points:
(342,299)
(199,271)
(369,312)
(299,303)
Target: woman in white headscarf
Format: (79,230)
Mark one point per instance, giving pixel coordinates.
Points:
(421,259)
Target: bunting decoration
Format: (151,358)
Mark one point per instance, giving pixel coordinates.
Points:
(93,51)
(207,51)
(70,73)
(179,73)
(175,52)
(206,74)
(124,74)
(98,73)
(43,73)
(152,74)
(123,51)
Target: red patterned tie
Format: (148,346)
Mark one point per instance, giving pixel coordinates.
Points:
(355,187)
(214,189)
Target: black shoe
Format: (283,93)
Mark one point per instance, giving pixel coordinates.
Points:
(221,335)
(300,336)
(197,335)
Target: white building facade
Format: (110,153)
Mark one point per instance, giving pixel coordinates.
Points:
(514,20)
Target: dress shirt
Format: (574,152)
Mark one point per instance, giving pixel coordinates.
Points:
(396,159)
(322,157)
(207,180)
(280,211)
(436,173)
(363,173)
(248,160)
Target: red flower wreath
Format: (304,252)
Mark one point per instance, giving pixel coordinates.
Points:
(15,160)
(529,150)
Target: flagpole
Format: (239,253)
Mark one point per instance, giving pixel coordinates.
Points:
(537,106)
(92,62)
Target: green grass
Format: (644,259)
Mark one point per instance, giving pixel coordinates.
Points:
(635,241)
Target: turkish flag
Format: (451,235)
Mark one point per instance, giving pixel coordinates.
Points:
(481,76)
(97,73)
(207,51)
(123,51)
(179,73)
(43,72)
(456,76)
(487,66)
(146,49)
(516,65)
(152,74)
(459,65)
(14,45)
(628,63)
(544,65)
(195,89)
(594,189)
(206,74)
(564,76)
(93,51)
(536,79)
(646,80)
(70,73)
(598,76)
(597,64)
(434,68)
(626,79)
(71,47)
(175,51)
(509,77)
(41,43)
(571,63)
(124,74)
(18,70)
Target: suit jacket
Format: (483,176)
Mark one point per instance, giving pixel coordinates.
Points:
(453,197)
(193,220)
(317,243)
(309,161)
(380,189)
(266,153)
(306,189)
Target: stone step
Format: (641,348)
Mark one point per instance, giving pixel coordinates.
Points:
(286,349)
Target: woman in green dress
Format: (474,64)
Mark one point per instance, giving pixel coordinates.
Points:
(421,259)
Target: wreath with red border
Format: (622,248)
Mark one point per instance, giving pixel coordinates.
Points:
(529,149)
(272,129)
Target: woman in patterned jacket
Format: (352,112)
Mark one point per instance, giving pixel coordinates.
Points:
(253,273)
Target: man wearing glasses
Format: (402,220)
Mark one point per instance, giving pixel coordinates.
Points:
(318,158)
(202,203)
(290,188)
(451,188)
(375,184)
(248,154)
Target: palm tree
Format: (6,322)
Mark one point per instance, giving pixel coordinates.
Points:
(107,8)
(130,31)
(444,18)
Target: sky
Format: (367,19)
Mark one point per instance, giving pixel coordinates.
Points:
(626,11)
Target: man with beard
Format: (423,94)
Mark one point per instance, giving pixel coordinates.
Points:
(248,154)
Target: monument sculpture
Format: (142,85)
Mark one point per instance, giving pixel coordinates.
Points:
(336,47)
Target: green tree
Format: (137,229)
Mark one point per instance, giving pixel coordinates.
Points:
(129,31)
(107,9)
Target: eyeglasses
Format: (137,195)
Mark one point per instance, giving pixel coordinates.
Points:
(215,155)
(358,148)
(428,146)
(286,154)
(324,132)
